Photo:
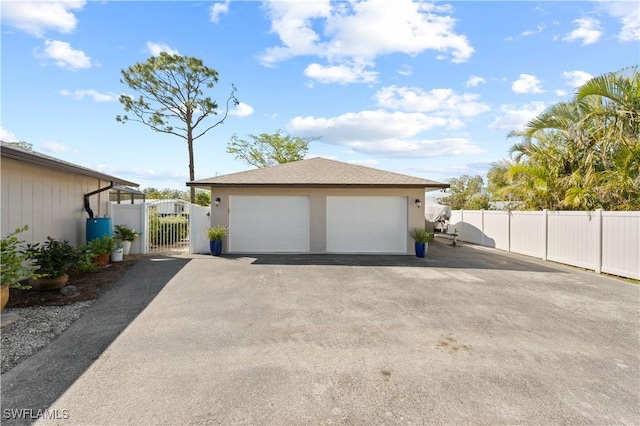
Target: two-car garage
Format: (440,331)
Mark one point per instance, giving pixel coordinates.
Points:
(317,206)
(282,224)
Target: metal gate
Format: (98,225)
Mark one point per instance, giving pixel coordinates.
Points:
(168,226)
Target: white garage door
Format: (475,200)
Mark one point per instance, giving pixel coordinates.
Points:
(268,224)
(367,224)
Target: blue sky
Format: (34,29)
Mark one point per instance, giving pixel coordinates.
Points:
(420,88)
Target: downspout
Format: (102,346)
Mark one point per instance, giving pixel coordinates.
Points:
(87,207)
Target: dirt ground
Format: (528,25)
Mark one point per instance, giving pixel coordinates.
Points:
(90,286)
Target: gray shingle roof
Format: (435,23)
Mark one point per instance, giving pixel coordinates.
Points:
(318,172)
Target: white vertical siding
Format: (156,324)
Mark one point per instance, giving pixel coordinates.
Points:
(621,243)
(528,233)
(50,202)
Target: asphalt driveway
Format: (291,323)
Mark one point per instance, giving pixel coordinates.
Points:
(468,335)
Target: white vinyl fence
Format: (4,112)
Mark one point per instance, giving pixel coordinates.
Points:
(603,241)
(137,217)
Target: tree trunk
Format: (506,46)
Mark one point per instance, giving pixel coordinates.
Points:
(192,174)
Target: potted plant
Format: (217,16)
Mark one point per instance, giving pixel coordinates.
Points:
(101,249)
(215,235)
(421,238)
(125,236)
(53,258)
(15,266)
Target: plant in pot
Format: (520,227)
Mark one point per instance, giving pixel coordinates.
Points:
(15,265)
(421,237)
(215,235)
(53,258)
(125,236)
(101,249)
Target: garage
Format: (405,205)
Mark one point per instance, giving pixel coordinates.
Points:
(361,224)
(317,205)
(269,224)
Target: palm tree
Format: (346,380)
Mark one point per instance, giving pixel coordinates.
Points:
(583,154)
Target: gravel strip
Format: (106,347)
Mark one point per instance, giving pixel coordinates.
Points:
(34,329)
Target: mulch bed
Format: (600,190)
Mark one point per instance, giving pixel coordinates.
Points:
(90,286)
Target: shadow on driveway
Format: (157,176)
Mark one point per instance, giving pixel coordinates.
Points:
(42,378)
(440,254)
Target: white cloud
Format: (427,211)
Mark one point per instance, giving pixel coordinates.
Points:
(218,9)
(512,118)
(7,136)
(242,110)
(156,48)
(383,133)
(576,78)
(474,80)
(366,125)
(527,84)
(64,55)
(54,147)
(416,148)
(405,70)
(342,33)
(94,94)
(342,74)
(539,29)
(440,102)
(37,17)
(588,31)
(561,92)
(629,15)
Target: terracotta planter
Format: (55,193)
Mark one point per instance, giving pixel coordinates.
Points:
(45,283)
(102,260)
(4,296)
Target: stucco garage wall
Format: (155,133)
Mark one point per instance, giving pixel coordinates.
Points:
(49,201)
(318,207)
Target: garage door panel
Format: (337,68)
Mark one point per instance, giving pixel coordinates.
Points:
(269,224)
(366,224)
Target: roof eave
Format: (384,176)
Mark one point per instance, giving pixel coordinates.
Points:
(27,157)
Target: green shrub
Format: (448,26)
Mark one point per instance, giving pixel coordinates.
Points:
(420,235)
(102,245)
(216,233)
(14,260)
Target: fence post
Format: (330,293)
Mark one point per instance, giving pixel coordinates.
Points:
(509,231)
(482,227)
(461,232)
(144,235)
(598,268)
(546,233)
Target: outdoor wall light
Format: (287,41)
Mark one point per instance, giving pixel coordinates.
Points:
(217,201)
(418,203)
